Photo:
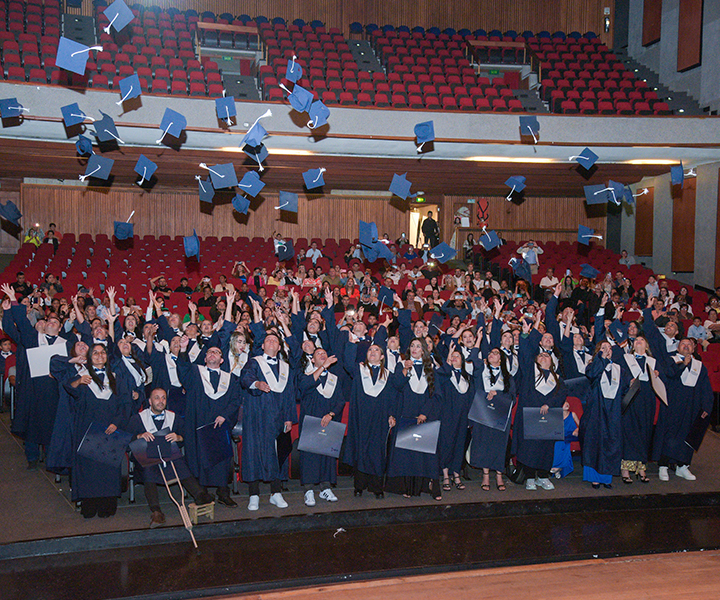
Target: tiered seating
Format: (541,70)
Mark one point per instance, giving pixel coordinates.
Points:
(29,34)
(580,75)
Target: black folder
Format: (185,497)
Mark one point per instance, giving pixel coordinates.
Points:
(697,432)
(157,451)
(630,395)
(420,438)
(493,413)
(104,448)
(214,443)
(543,427)
(317,439)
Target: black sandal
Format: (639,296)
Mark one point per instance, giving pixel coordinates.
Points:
(485,487)
(446,484)
(627,480)
(500,487)
(458,484)
(643,478)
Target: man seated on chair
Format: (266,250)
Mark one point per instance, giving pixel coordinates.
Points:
(144,425)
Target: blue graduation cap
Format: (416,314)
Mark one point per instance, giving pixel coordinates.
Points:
(383,251)
(257,153)
(105,129)
(192,245)
(300,99)
(84,146)
(367,233)
(73,56)
(257,132)
(119,16)
(286,250)
(589,271)
(436,322)
(294,71)
(424,132)
(619,330)
(400,186)
(222,176)
(521,268)
(586,159)
(585,234)
(319,114)
(386,296)
(129,87)
(677,174)
(241,204)
(123,230)
(251,183)
(287,201)
(72,115)
(618,191)
(443,253)
(10,212)
(206,191)
(98,167)
(145,168)
(628,195)
(172,124)
(530,126)
(598,194)
(517,183)
(314,178)
(10,108)
(225,108)
(490,240)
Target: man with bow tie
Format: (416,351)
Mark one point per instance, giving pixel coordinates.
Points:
(145,425)
(212,402)
(37,397)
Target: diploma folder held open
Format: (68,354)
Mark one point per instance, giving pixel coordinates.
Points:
(493,413)
(420,438)
(108,449)
(317,439)
(543,427)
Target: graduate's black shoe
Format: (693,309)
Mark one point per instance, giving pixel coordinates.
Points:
(227,501)
(358,493)
(157,519)
(379,495)
(204,498)
(607,486)
(32,465)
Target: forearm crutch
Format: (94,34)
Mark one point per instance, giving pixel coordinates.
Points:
(180,505)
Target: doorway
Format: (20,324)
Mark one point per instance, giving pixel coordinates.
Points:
(417,216)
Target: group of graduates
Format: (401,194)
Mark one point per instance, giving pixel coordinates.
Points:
(194,380)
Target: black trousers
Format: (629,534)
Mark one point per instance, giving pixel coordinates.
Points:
(533,473)
(102,507)
(254,487)
(372,482)
(666,462)
(151,492)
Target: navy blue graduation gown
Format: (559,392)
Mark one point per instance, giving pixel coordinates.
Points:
(454,407)
(637,421)
(176,397)
(60,452)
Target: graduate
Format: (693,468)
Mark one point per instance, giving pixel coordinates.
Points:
(213,400)
(37,397)
(96,399)
(128,365)
(455,392)
(409,472)
(164,365)
(541,388)
(600,429)
(505,341)
(145,425)
(371,418)
(321,395)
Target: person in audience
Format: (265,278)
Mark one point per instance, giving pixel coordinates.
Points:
(410,253)
(625,259)
(430,230)
(33,237)
(51,286)
(20,286)
(223,286)
(468,247)
(530,252)
(549,282)
(160,287)
(652,289)
(314,253)
(208,300)
(184,288)
(51,239)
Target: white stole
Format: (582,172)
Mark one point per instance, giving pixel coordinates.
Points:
(139,377)
(635,369)
(581,361)
(223,385)
(149,422)
(671,344)
(610,381)
(512,368)
(328,389)
(391,360)
(172,370)
(542,385)
(42,340)
(689,376)
(417,384)
(194,352)
(499,384)
(103,393)
(461,386)
(276,385)
(370,388)
(238,362)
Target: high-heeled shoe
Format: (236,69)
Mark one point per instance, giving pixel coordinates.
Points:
(643,478)
(596,486)
(446,484)
(627,480)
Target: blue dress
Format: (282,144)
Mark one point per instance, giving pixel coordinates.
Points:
(563,455)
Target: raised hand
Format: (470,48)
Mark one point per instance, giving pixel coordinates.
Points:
(9,292)
(329,361)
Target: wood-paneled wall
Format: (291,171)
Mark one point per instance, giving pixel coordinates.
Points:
(536,15)
(94,211)
(690,27)
(652,17)
(542,219)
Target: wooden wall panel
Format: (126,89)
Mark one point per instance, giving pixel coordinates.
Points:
(536,15)
(9,234)
(542,219)
(683,227)
(652,18)
(644,214)
(689,43)
(94,210)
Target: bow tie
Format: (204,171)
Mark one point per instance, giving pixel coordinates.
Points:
(174,357)
(6,354)
(394,352)
(97,341)
(100,371)
(270,360)
(374,367)
(160,416)
(580,352)
(130,334)
(324,374)
(417,362)
(205,338)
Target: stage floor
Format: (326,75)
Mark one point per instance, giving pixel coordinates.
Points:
(49,551)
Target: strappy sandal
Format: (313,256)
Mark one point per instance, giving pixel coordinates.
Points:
(458,484)
(446,484)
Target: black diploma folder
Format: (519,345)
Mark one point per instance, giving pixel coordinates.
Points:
(317,439)
(543,427)
(157,451)
(493,413)
(103,448)
(630,394)
(420,438)
(697,432)
(214,443)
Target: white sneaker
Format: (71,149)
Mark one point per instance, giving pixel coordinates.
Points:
(254,503)
(685,473)
(530,484)
(663,474)
(545,483)
(328,495)
(309,498)
(278,500)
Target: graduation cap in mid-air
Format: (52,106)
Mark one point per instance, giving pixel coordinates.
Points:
(257,132)
(191,243)
(589,271)
(11,108)
(119,15)
(436,322)
(367,234)
(241,204)
(300,99)
(251,184)
(73,56)
(72,115)
(586,159)
(400,186)
(129,88)
(521,268)
(287,201)
(257,153)
(314,178)
(123,230)
(10,212)
(598,194)
(319,115)
(619,330)
(530,126)
(386,296)
(206,191)
(490,240)
(443,253)
(145,168)
(285,250)
(425,133)
(173,123)
(222,176)
(618,191)
(517,183)
(294,71)
(105,129)
(585,234)
(225,108)
(98,167)
(84,146)
(677,174)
